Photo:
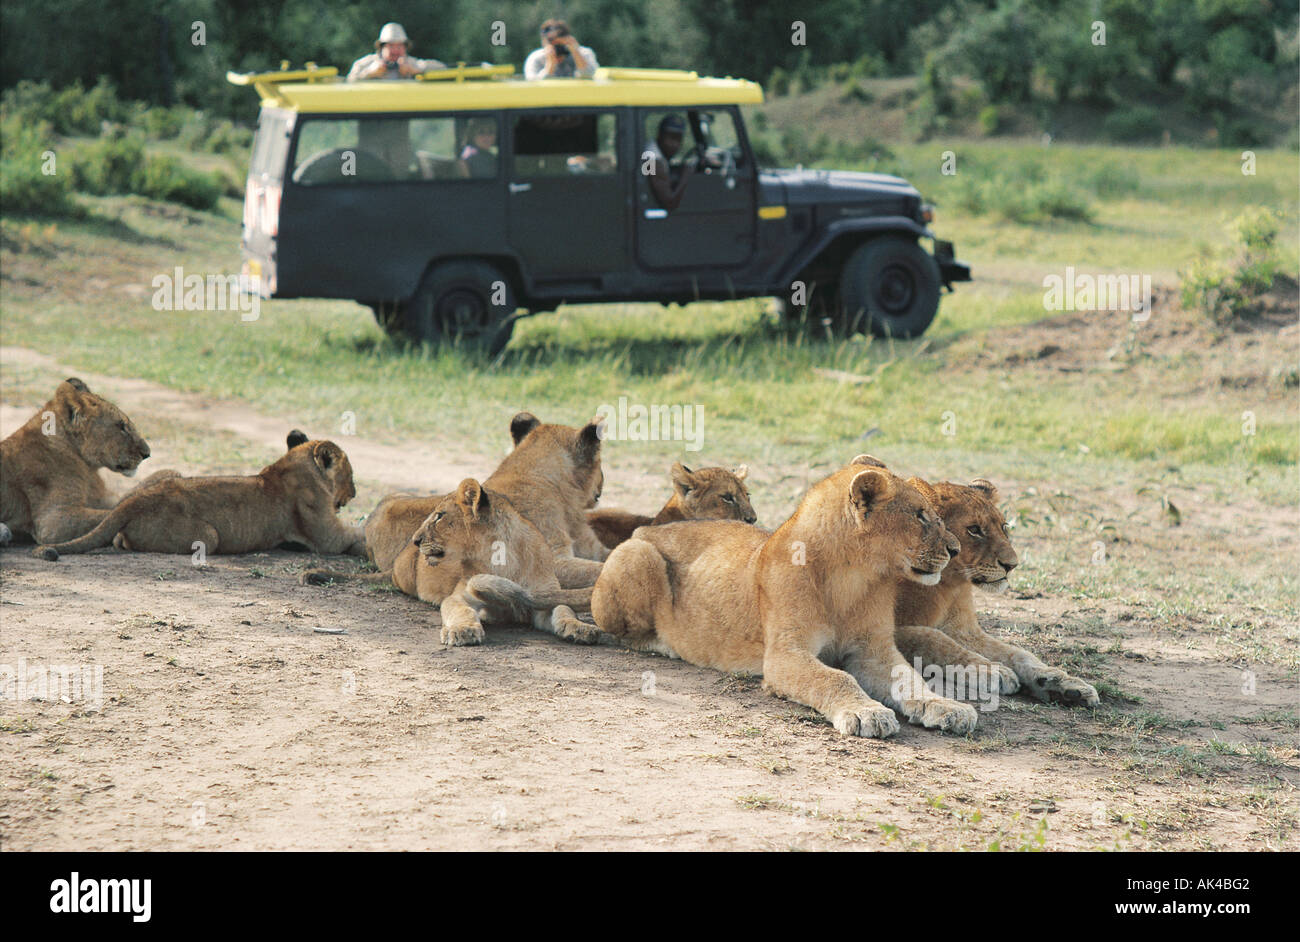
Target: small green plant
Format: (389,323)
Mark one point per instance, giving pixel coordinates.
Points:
(1227,286)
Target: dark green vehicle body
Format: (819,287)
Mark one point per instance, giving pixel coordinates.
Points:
(436,252)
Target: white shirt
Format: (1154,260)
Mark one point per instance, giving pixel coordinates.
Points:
(535,64)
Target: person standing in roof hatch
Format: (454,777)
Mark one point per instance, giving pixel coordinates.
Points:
(390,59)
(560,55)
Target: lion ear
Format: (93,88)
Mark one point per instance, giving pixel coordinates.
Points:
(77,384)
(522,424)
(741,472)
(869,488)
(989,491)
(868,461)
(589,437)
(682,477)
(296,437)
(69,398)
(326,455)
(472,498)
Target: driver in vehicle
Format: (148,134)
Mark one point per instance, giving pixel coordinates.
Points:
(389,60)
(654,163)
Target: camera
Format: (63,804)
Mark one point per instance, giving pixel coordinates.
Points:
(561,50)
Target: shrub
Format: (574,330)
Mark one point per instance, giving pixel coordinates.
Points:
(989,120)
(166,178)
(1135,123)
(1227,286)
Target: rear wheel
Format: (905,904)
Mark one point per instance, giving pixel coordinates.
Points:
(466,302)
(890,287)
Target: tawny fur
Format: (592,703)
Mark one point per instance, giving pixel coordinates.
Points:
(706,494)
(818,592)
(50,487)
(295,499)
(551,477)
(939,625)
(477,532)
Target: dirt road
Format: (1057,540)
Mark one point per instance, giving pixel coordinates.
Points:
(225,720)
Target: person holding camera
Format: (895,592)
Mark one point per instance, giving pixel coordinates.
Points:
(389,60)
(560,55)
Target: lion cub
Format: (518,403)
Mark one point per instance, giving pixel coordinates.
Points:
(50,488)
(971,514)
(295,499)
(551,477)
(821,589)
(706,494)
(480,560)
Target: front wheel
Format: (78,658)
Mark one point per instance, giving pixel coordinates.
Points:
(469,302)
(889,286)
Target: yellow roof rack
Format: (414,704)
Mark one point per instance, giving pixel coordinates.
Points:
(319,90)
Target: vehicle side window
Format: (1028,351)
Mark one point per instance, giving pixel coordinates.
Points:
(377,150)
(719,130)
(566,142)
(707,130)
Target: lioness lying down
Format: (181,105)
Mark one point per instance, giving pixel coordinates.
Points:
(953,638)
(706,494)
(551,477)
(821,589)
(480,560)
(296,499)
(50,488)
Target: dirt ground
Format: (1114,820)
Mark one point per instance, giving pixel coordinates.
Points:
(227,720)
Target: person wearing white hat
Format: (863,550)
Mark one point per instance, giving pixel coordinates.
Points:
(389,60)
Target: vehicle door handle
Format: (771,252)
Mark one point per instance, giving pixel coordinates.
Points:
(520,187)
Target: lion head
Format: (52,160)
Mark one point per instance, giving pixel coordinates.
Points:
(713,493)
(462,535)
(321,463)
(553,451)
(99,431)
(899,525)
(970,513)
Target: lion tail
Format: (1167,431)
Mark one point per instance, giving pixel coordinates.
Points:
(326,576)
(101,535)
(486,589)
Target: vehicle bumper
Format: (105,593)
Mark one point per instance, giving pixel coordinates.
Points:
(950,269)
(257,276)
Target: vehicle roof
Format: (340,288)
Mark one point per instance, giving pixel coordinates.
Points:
(609,87)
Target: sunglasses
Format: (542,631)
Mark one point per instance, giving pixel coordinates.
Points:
(555,30)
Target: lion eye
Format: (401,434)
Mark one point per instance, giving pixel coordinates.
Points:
(438,516)
(728,498)
(920,515)
(976,531)
(122,426)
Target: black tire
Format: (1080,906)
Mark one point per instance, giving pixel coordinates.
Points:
(890,287)
(454,304)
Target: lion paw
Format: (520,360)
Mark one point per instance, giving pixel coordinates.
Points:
(47,553)
(6,535)
(1008,682)
(579,632)
(1054,685)
(315,577)
(939,713)
(456,635)
(874,721)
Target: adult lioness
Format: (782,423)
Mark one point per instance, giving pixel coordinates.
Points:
(821,588)
(706,494)
(50,488)
(476,538)
(295,499)
(971,514)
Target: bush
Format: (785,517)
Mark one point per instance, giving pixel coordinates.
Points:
(118,164)
(166,178)
(989,120)
(1010,195)
(108,166)
(1227,286)
(1136,123)
(24,186)
(1111,179)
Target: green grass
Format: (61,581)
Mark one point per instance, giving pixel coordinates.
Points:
(1114,441)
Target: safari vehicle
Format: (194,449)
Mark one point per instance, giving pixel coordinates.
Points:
(454,204)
